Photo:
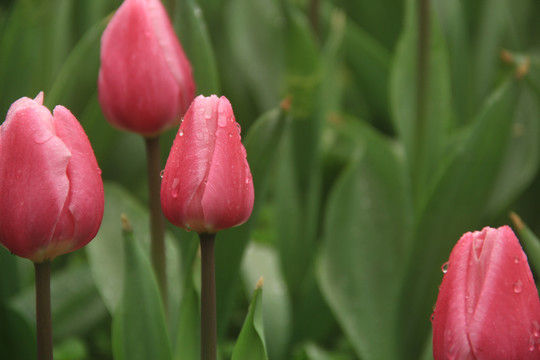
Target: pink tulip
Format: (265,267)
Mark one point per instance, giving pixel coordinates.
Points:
(207,184)
(145,83)
(488,306)
(51,192)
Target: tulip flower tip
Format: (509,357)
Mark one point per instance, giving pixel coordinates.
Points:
(126,224)
(286,104)
(259,283)
(518,223)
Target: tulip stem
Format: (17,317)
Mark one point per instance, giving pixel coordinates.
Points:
(157,222)
(208,298)
(43,310)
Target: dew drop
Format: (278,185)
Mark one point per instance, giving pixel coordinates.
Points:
(444,267)
(535,329)
(230,135)
(161,173)
(239,128)
(175,188)
(208,112)
(531,343)
(516,260)
(181,133)
(248,180)
(222,121)
(432,317)
(518,287)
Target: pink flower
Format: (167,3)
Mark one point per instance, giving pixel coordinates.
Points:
(488,306)
(145,83)
(207,184)
(51,192)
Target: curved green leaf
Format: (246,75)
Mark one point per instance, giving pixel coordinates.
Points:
(106,252)
(367,215)
(251,344)
(191,26)
(139,327)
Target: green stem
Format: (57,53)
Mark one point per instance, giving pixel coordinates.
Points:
(157,222)
(43,310)
(314,9)
(208,298)
(422,76)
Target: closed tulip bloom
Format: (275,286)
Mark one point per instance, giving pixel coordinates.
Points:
(488,306)
(145,83)
(51,192)
(207,184)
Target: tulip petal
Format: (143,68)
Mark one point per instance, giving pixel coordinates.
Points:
(187,167)
(33,182)
(488,306)
(450,324)
(137,88)
(178,62)
(508,305)
(84,210)
(228,198)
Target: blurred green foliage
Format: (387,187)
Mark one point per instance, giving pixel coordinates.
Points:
(377,134)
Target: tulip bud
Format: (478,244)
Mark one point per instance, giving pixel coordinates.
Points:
(488,306)
(145,83)
(51,192)
(207,184)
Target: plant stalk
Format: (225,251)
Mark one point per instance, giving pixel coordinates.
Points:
(43,310)
(208,298)
(157,221)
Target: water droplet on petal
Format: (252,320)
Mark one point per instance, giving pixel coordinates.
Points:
(535,329)
(516,260)
(230,135)
(444,267)
(239,128)
(208,112)
(161,173)
(175,188)
(531,343)
(222,121)
(518,287)
(248,180)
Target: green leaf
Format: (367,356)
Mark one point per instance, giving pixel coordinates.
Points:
(188,339)
(530,242)
(522,156)
(368,16)
(493,25)
(255,36)
(9,274)
(369,62)
(76,306)
(191,26)
(106,252)
(139,327)
(261,260)
(73,87)
(366,218)
(17,336)
(260,144)
(456,205)
(422,119)
(453,23)
(251,344)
